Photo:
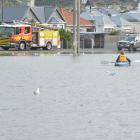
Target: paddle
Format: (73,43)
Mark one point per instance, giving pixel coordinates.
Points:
(106,62)
(111,62)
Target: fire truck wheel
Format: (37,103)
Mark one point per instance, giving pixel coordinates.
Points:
(22,46)
(49,46)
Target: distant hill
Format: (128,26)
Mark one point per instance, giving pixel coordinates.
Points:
(14,2)
(69,2)
(54,2)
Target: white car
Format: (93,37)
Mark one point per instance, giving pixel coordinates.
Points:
(130,43)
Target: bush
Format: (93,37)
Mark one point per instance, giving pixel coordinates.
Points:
(66,37)
(114,32)
(109,14)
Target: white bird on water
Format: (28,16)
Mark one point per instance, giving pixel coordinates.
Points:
(37,92)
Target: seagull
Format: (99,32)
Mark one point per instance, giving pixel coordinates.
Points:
(37,92)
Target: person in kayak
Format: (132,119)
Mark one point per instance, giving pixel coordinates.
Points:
(122,57)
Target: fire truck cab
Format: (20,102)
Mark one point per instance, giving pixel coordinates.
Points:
(18,36)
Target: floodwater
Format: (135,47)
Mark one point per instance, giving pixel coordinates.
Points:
(80,98)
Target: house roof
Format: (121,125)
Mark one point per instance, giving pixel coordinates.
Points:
(87,16)
(136,15)
(107,22)
(96,16)
(13,13)
(43,12)
(94,11)
(131,17)
(100,19)
(56,20)
(68,17)
(108,11)
(119,21)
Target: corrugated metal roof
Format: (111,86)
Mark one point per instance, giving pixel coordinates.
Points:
(107,22)
(13,13)
(44,12)
(48,10)
(119,21)
(108,11)
(136,15)
(130,17)
(91,16)
(39,12)
(100,19)
(95,12)
(56,20)
(87,16)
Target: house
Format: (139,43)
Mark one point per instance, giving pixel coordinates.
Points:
(85,25)
(22,13)
(122,24)
(45,15)
(103,22)
(134,18)
(49,15)
(97,20)
(108,11)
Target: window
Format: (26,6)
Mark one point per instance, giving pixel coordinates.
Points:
(55,26)
(90,30)
(8,31)
(18,30)
(27,30)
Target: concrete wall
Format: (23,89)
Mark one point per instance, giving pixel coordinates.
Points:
(99,29)
(136,27)
(111,41)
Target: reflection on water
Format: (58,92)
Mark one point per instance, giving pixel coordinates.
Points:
(80,98)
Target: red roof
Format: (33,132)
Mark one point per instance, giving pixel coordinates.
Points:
(68,17)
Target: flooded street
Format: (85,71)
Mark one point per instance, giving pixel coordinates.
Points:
(80,98)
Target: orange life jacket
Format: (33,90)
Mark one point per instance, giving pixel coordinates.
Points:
(122,58)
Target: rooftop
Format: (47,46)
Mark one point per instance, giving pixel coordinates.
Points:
(68,17)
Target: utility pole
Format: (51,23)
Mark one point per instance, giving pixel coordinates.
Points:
(2,2)
(76,26)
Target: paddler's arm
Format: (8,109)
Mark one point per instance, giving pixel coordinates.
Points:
(128,60)
(117,59)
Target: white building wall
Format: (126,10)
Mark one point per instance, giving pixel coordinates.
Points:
(82,29)
(83,1)
(136,27)
(99,29)
(31,3)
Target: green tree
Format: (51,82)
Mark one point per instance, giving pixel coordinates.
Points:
(66,37)
(114,32)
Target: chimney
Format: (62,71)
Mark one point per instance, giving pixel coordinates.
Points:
(31,3)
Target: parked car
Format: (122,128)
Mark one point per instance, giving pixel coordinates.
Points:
(131,43)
